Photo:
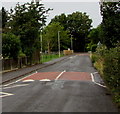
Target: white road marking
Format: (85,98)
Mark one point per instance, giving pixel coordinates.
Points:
(95,73)
(15,86)
(5,94)
(73,57)
(45,80)
(93,80)
(29,80)
(59,75)
(19,79)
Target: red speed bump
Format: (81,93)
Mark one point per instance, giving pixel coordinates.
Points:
(43,75)
(76,76)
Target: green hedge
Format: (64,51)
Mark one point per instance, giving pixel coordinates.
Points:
(108,64)
(111,72)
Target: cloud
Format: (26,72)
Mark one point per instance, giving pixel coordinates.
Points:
(51,0)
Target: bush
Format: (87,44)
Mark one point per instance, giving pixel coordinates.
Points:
(94,57)
(111,68)
(107,62)
(111,72)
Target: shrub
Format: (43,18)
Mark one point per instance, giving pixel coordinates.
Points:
(111,67)
(111,72)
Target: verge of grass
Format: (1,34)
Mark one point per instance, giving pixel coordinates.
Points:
(49,57)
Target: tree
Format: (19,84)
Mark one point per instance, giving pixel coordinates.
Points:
(26,21)
(79,26)
(3,19)
(50,37)
(110,12)
(95,35)
(10,45)
(62,19)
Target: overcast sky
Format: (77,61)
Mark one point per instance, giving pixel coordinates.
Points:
(92,8)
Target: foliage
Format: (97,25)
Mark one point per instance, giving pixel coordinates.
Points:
(108,64)
(0,18)
(4,17)
(79,26)
(10,45)
(26,21)
(49,57)
(112,72)
(50,36)
(111,23)
(95,36)
(111,67)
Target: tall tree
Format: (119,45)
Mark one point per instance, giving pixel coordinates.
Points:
(79,26)
(10,45)
(110,12)
(3,18)
(26,21)
(50,37)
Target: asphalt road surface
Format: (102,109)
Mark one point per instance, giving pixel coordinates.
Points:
(71,85)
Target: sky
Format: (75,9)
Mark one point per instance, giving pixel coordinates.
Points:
(92,8)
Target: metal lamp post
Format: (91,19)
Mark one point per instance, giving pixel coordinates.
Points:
(71,43)
(59,42)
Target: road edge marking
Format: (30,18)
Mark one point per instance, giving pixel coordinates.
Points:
(15,86)
(93,80)
(59,75)
(20,79)
(5,94)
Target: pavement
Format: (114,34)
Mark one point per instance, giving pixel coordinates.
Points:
(71,85)
(18,73)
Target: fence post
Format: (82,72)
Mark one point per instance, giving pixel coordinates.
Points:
(10,64)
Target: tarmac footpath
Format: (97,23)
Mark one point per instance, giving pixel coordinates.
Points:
(16,74)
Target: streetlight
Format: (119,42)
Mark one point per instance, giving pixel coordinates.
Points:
(41,41)
(59,42)
(71,43)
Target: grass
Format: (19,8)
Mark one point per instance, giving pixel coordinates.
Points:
(49,57)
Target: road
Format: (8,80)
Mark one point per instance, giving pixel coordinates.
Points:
(72,85)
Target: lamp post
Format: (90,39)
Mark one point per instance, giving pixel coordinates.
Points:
(71,43)
(41,41)
(59,42)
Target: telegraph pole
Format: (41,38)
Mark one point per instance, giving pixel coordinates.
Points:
(59,42)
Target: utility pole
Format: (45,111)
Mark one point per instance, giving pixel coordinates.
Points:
(59,42)
(71,43)
(41,42)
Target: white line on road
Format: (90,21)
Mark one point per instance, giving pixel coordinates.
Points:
(5,94)
(45,80)
(93,80)
(19,79)
(59,75)
(73,57)
(95,73)
(15,86)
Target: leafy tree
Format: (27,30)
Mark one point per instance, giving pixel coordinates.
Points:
(62,19)
(0,18)
(111,23)
(10,45)
(50,37)
(3,19)
(95,35)
(26,21)
(79,26)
